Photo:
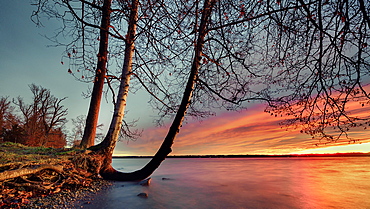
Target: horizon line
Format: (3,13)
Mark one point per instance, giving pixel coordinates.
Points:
(346,154)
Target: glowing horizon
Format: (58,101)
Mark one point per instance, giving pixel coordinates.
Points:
(351,148)
(246,132)
(339,149)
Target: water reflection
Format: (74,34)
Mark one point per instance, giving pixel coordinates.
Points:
(246,183)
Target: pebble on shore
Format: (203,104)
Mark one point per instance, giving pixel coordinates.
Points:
(143,194)
(67,198)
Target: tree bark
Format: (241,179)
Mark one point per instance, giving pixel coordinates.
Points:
(27,171)
(100,73)
(108,172)
(107,146)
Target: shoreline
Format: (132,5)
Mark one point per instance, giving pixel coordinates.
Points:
(69,198)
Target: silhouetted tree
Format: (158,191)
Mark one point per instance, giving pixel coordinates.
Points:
(307,59)
(317,59)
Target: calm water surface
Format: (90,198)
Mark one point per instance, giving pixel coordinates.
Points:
(318,182)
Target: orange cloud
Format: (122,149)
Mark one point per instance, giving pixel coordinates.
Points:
(250,131)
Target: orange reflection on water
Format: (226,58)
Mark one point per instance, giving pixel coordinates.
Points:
(333,182)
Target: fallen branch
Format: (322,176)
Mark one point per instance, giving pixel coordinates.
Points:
(26,171)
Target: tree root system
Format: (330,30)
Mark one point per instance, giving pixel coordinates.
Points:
(21,181)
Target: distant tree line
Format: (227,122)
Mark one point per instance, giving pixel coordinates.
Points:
(38,123)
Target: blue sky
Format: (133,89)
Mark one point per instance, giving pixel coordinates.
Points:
(27,57)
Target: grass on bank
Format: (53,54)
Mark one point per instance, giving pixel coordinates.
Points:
(17,153)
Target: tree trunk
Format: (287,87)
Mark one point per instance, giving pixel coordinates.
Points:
(107,146)
(107,171)
(100,73)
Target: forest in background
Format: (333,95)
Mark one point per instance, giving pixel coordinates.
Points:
(40,123)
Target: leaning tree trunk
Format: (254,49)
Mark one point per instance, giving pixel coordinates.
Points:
(107,171)
(94,108)
(106,147)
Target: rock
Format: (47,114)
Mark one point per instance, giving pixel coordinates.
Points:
(145,182)
(143,194)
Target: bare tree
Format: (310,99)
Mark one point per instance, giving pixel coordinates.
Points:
(6,113)
(318,62)
(8,119)
(106,147)
(77,130)
(307,59)
(81,22)
(43,117)
(88,27)
(79,124)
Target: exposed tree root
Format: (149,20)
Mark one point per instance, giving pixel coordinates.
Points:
(27,171)
(21,181)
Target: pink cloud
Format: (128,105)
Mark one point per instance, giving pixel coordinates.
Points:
(250,131)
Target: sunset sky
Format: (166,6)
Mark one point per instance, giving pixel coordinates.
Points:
(25,59)
(247,132)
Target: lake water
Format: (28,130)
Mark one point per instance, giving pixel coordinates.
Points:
(316,182)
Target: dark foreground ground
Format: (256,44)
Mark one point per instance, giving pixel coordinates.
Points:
(69,199)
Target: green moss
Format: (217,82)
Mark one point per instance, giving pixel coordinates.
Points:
(12,144)
(18,153)
(68,152)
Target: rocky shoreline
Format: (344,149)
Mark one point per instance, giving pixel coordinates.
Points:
(68,198)
(39,177)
